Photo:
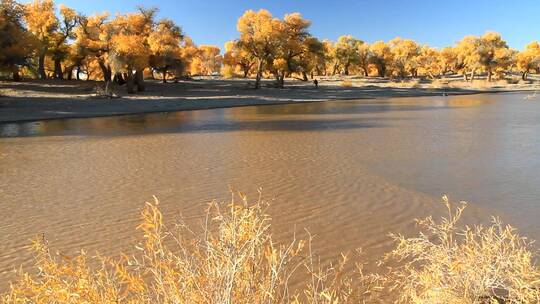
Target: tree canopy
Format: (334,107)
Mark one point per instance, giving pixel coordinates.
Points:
(44,40)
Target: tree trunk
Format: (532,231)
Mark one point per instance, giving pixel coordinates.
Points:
(58,74)
(41,66)
(16,75)
(120,79)
(346,70)
(130,82)
(304,76)
(524,75)
(334,70)
(107,76)
(139,80)
(259,74)
(280,79)
(366,73)
(69,73)
(246,72)
(465,77)
(381,69)
(79,72)
(472,75)
(165,75)
(489,75)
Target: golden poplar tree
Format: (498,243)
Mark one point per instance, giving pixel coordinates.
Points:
(429,61)
(236,57)
(164,44)
(493,53)
(347,52)
(405,53)
(59,47)
(207,61)
(42,22)
(381,57)
(529,59)
(130,50)
(258,33)
(94,42)
(16,44)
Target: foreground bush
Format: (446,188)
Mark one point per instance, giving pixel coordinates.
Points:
(445,264)
(235,260)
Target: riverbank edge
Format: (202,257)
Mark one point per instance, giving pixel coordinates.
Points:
(207,104)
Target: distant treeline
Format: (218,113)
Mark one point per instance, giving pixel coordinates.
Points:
(39,40)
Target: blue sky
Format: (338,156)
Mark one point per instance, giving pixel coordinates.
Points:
(436,22)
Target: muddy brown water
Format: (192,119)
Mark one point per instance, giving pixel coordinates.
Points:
(349,171)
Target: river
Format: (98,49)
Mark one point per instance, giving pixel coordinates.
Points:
(349,171)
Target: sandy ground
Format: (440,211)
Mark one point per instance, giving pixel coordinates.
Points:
(38,100)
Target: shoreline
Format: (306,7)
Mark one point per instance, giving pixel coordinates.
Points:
(39,100)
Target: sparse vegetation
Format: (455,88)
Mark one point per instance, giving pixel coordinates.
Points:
(235,260)
(448,264)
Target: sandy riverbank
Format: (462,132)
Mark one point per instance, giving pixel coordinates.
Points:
(39,100)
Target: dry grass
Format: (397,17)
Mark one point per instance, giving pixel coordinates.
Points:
(107,90)
(4,92)
(445,264)
(345,83)
(235,260)
(409,83)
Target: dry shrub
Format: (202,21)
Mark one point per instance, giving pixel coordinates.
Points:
(446,264)
(346,83)
(409,83)
(107,90)
(234,260)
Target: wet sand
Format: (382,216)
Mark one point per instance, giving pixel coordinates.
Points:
(349,171)
(38,100)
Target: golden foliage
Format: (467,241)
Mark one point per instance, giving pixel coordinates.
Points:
(405,53)
(61,40)
(15,42)
(41,19)
(381,57)
(529,59)
(207,60)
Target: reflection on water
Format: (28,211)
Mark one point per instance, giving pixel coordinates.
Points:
(350,171)
(224,120)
